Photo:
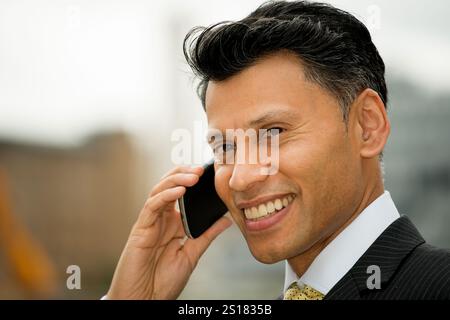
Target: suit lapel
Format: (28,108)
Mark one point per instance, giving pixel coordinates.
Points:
(387,253)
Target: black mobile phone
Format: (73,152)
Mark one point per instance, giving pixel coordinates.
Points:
(201,206)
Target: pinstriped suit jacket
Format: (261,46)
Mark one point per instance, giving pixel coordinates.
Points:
(410,269)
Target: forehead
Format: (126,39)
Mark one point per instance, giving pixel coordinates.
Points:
(275,83)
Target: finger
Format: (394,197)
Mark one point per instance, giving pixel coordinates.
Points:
(180,228)
(177,179)
(182,169)
(174,225)
(196,247)
(155,205)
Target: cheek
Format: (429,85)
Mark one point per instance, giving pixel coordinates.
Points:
(302,161)
(319,165)
(221,182)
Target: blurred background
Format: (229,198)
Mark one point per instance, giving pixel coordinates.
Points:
(90,94)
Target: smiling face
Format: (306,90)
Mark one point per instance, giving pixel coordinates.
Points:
(319,183)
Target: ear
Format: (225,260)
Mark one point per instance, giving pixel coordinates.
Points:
(372,123)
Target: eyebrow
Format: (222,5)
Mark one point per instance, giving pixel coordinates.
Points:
(270,116)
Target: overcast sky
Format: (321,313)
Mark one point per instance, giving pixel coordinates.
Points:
(69,68)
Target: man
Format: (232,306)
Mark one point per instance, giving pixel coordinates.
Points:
(311,72)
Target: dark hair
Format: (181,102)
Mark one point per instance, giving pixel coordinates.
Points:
(335,48)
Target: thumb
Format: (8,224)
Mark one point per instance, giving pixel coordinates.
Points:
(196,247)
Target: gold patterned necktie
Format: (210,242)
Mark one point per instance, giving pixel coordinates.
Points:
(294,292)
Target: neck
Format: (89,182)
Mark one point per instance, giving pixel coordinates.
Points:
(301,263)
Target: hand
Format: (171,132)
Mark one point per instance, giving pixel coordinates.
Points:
(155,263)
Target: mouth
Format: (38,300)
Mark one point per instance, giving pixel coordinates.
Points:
(265,215)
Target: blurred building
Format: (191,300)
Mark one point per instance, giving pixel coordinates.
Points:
(78,203)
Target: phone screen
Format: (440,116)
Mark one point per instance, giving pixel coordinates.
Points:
(201,206)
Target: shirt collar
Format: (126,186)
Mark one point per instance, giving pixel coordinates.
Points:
(339,256)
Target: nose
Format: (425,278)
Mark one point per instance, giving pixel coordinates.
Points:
(246,175)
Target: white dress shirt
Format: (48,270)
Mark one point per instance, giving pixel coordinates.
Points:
(339,256)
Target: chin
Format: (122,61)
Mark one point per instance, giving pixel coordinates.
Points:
(267,254)
(270,252)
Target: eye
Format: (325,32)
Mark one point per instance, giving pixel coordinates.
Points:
(274,131)
(223,148)
(224,153)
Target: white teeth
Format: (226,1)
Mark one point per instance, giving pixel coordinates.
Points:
(265,209)
(254,212)
(270,207)
(278,204)
(262,210)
